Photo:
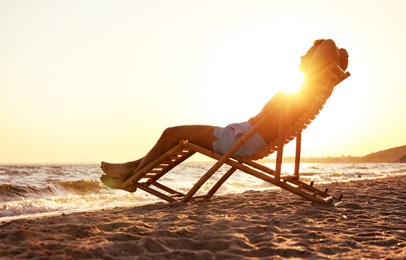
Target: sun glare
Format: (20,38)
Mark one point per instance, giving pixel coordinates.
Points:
(292,82)
(244,77)
(286,75)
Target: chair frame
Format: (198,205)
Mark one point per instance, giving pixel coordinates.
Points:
(170,159)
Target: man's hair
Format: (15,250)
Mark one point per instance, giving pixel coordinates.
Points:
(343,58)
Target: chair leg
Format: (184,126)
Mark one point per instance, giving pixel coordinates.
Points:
(155,192)
(202,180)
(279,153)
(297,155)
(221,181)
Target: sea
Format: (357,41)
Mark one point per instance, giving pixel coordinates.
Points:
(39,190)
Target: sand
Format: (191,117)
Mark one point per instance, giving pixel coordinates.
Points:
(369,224)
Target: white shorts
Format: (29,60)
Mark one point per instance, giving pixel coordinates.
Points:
(229,135)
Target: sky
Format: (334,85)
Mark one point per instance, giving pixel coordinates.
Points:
(83,81)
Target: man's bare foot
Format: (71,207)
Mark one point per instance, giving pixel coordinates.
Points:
(119,170)
(116,183)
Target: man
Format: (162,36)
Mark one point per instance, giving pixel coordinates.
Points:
(221,139)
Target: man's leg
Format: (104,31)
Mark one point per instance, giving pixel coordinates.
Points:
(116,183)
(201,135)
(119,170)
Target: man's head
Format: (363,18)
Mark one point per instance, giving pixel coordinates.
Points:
(307,58)
(329,53)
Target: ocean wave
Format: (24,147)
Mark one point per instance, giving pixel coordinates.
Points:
(9,192)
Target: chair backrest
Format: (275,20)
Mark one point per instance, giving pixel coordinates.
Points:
(324,75)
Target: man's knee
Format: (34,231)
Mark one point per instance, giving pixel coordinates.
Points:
(171,133)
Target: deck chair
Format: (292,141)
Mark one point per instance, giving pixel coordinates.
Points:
(148,178)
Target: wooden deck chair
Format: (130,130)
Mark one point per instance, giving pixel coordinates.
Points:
(148,178)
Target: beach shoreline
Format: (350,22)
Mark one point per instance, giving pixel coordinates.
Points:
(369,223)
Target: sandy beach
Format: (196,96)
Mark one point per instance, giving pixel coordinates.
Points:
(370,223)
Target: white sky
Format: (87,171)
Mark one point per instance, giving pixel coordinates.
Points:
(85,81)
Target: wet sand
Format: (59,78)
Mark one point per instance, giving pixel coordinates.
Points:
(370,223)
